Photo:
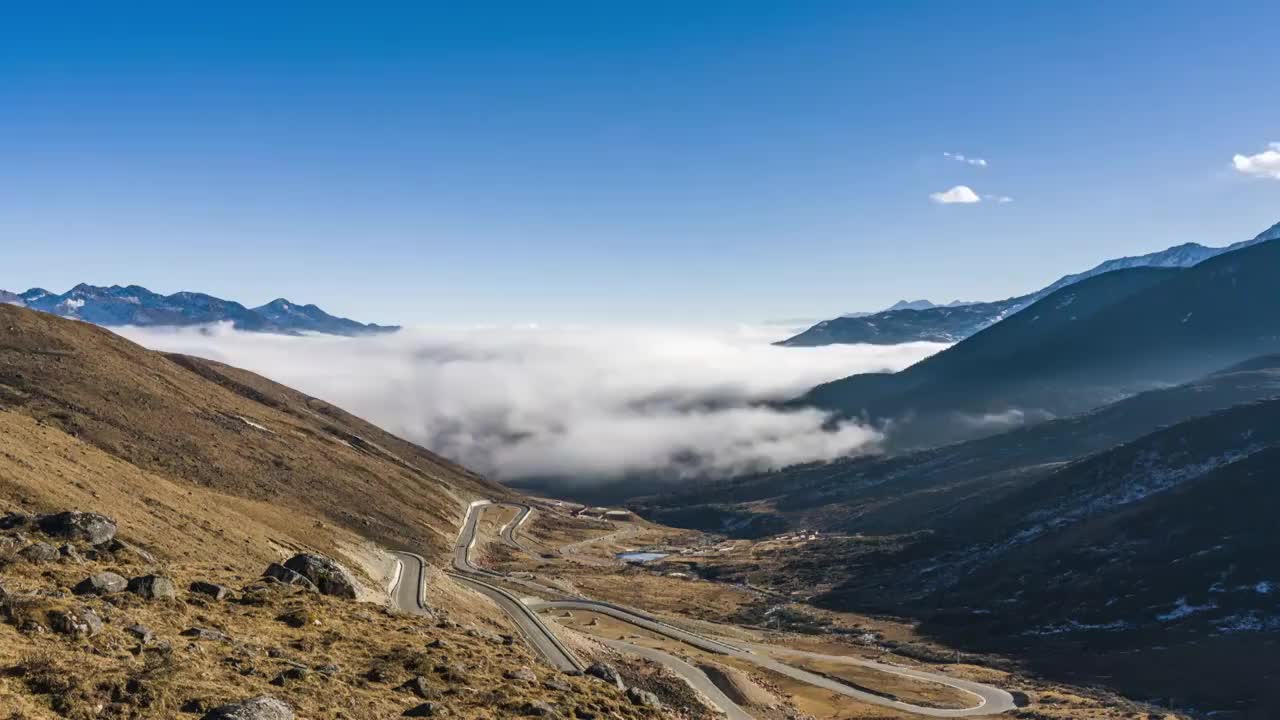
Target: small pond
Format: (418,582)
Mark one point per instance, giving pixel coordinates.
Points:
(641,557)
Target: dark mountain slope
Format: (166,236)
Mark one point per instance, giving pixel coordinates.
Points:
(1159,553)
(946,486)
(930,324)
(1088,344)
(902,325)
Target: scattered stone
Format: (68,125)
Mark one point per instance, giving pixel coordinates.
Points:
(200,633)
(259,708)
(299,618)
(70,553)
(217,592)
(103,583)
(643,698)
(91,527)
(508,639)
(289,577)
(326,574)
(142,632)
(426,709)
(582,713)
(293,673)
(557,684)
(537,708)
(437,644)
(453,673)
(79,622)
(522,674)
(31,627)
(40,552)
(14,520)
(607,673)
(153,587)
(420,687)
(328,669)
(119,546)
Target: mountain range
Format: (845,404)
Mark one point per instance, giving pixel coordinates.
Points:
(922,321)
(136,305)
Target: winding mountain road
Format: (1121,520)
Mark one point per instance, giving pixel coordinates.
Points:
(988,700)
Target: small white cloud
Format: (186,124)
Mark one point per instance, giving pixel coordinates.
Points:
(1264,164)
(975,161)
(1002,199)
(962,194)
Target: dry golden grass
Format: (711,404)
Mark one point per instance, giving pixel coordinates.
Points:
(188,420)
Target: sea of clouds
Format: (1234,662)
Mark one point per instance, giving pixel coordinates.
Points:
(570,402)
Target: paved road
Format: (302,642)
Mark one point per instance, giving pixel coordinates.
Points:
(988,700)
(697,679)
(527,621)
(409,592)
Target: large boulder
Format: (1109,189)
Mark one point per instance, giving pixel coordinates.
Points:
(327,575)
(153,587)
(90,527)
(13,520)
(607,673)
(276,571)
(103,583)
(643,698)
(40,552)
(77,622)
(264,707)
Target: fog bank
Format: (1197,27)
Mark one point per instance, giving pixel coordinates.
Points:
(569,402)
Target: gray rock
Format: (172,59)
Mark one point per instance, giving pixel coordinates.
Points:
(419,686)
(103,583)
(142,632)
(14,520)
(643,698)
(91,527)
(537,708)
(523,674)
(426,709)
(328,669)
(70,553)
(557,684)
(153,587)
(291,674)
(120,547)
(289,577)
(40,552)
(217,592)
(326,574)
(78,622)
(259,708)
(200,633)
(607,673)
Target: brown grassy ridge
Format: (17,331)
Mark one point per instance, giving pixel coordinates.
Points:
(189,420)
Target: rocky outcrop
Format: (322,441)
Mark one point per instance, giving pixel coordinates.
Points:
(153,587)
(103,583)
(77,622)
(93,528)
(643,698)
(326,574)
(607,673)
(276,571)
(264,707)
(40,552)
(208,589)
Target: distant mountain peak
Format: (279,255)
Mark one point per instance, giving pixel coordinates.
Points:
(136,305)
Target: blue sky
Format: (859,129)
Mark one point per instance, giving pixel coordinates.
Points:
(642,162)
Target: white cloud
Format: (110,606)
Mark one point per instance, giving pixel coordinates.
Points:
(998,198)
(959,194)
(539,401)
(975,161)
(1264,164)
